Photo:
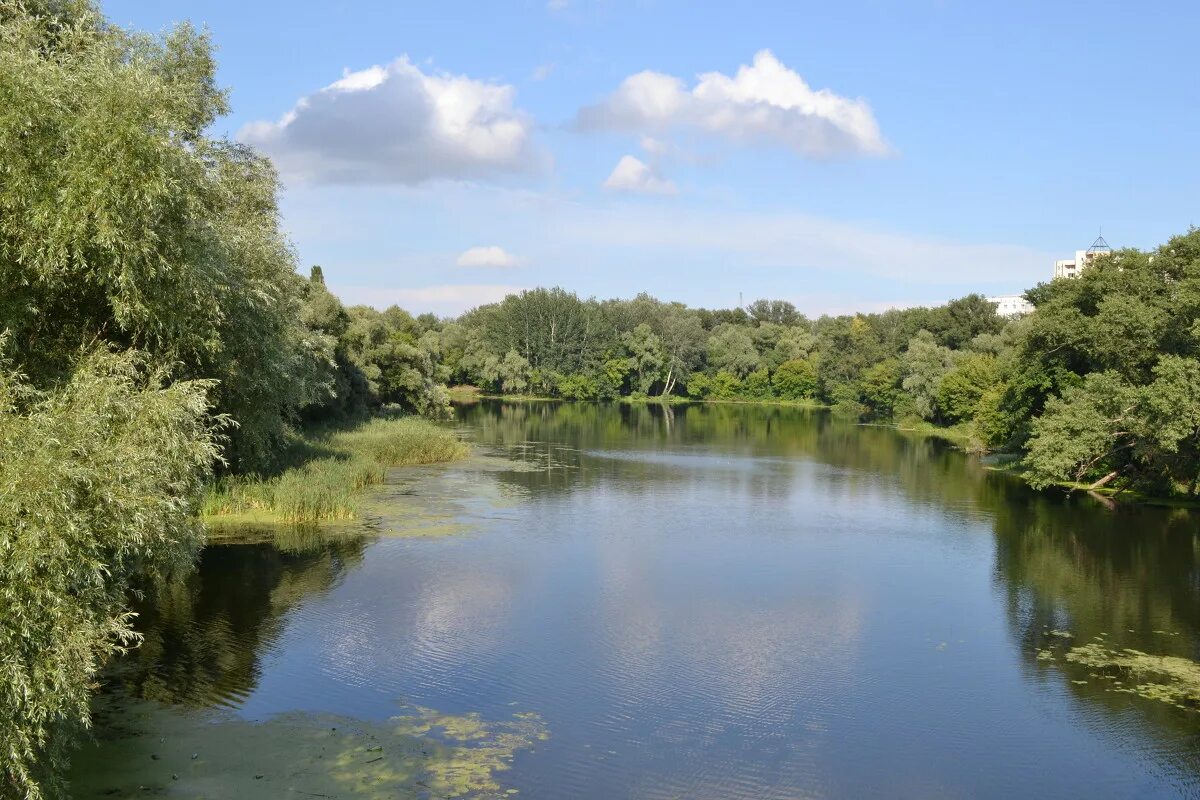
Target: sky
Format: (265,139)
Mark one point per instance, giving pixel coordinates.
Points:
(849,156)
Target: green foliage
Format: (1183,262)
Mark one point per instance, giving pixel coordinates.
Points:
(549,328)
(99,480)
(922,367)
(699,386)
(121,221)
(879,389)
(578,387)
(645,356)
(779,312)
(757,385)
(1083,431)
(795,379)
(725,385)
(959,322)
(731,349)
(961,390)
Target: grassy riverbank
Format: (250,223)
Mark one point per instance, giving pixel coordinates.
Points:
(322,475)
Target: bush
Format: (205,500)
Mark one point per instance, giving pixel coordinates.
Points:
(795,379)
(757,385)
(726,386)
(699,386)
(578,387)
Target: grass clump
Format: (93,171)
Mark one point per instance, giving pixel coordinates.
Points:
(321,477)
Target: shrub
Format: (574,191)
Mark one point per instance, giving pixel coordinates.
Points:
(578,387)
(757,385)
(795,379)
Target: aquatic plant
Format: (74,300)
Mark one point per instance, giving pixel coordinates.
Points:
(418,753)
(1168,679)
(330,469)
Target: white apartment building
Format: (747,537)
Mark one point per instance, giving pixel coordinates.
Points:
(1071,267)
(1011,305)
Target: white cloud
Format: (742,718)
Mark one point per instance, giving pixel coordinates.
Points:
(634,175)
(444,300)
(491,256)
(763,103)
(397,124)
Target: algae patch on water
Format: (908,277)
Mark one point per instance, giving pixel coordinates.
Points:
(1168,679)
(145,748)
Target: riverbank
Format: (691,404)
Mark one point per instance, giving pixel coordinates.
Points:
(320,477)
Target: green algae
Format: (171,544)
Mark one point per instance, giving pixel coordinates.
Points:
(1168,679)
(149,749)
(1174,680)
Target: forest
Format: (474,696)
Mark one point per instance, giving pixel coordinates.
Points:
(156,334)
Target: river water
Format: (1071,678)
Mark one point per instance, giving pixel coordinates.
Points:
(716,601)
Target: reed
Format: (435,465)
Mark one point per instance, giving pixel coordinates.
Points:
(322,475)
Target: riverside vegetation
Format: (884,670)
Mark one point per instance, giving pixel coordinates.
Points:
(155,333)
(162,356)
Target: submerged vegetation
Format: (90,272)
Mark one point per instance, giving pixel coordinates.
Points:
(1174,680)
(326,470)
(417,753)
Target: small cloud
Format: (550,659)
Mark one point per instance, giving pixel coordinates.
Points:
(764,103)
(634,175)
(401,125)
(557,5)
(491,256)
(543,71)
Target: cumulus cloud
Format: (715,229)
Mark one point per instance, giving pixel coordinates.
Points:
(634,175)
(397,124)
(764,103)
(491,256)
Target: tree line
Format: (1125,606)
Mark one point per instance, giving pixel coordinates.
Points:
(1100,385)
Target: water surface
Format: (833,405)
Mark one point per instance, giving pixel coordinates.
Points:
(705,602)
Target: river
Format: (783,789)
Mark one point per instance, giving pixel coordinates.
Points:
(718,601)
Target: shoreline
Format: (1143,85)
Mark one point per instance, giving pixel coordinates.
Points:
(957,436)
(323,474)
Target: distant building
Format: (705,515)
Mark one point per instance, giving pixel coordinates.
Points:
(1011,305)
(1072,267)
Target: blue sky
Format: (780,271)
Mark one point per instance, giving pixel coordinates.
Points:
(868,154)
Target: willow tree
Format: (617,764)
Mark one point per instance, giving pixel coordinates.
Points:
(99,480)
(123,221)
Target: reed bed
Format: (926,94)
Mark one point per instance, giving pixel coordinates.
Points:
(325,472)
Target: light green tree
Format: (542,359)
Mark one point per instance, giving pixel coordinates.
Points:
(100,479)
(646,357)
(731,348)
(922,367)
